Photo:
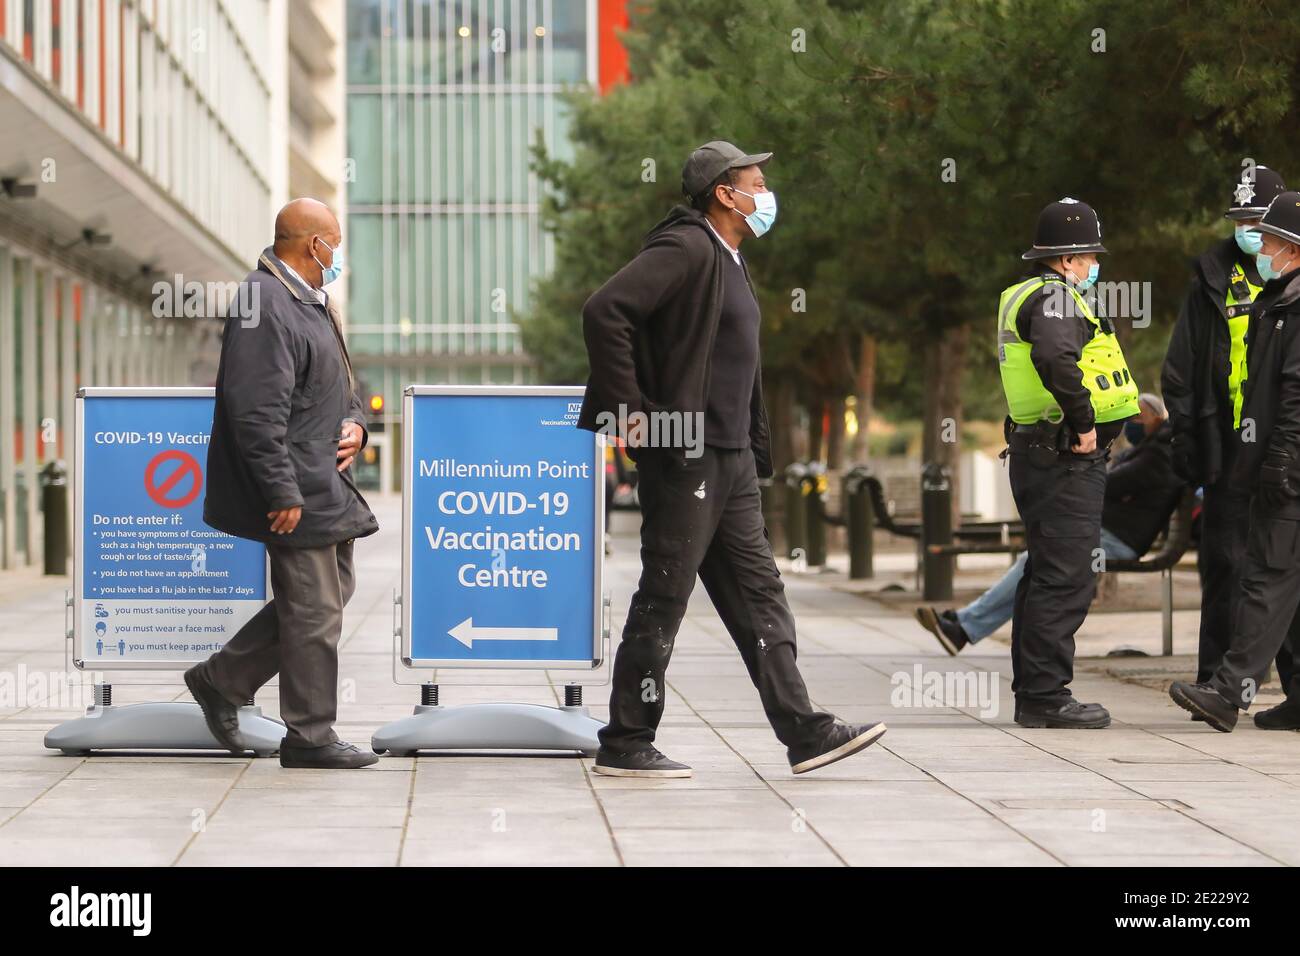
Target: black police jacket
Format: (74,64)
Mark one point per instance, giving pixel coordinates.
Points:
(1270,411)
(1194,379)
(650,331)
(284,389)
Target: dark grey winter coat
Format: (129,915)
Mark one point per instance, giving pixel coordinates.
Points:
(284,389)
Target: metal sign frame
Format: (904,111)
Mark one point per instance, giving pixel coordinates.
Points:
(78,518)
(409,394)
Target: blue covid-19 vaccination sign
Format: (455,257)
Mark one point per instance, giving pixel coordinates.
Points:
(155,584)
(503,528)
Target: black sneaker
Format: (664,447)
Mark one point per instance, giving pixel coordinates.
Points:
(842,740)
(339,755)
(1058,715)
(221,716)
(648,762)
(945,626)
(1219,712)
(1285,716)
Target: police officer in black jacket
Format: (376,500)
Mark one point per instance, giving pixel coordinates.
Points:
(673,337)
(1203,372)
(1268,467)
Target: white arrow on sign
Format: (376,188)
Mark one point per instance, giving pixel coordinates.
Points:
(467,633)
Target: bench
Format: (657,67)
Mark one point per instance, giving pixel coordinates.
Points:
(1177,539)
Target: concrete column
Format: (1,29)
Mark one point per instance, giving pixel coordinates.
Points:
(105,340)
(8,386)
(49,410)
(31,399)
(90,340)
(67,366)
(68,381)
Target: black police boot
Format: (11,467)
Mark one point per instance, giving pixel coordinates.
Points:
(945,626)
(1219,712)
(647,762)
(1062,715)
(842,740)
(339,755)
(221,716)
(1285,716)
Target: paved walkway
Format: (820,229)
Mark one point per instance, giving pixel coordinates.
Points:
(948,785)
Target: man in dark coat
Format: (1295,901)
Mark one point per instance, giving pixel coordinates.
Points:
(1202,377)
(287,426)
(1267,467)
(672,340)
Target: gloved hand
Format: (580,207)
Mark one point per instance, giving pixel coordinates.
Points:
(1186,458)
(1275,488)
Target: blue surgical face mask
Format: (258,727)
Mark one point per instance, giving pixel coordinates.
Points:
(328,275)
(1083,285)
(1266,268)
(1134,431)
(1248,239)
(764,214)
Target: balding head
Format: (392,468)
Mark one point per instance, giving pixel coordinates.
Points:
(306,233)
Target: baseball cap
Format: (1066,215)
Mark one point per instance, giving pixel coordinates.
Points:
(709,162)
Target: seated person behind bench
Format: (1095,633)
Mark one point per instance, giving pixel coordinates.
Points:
(1141,493)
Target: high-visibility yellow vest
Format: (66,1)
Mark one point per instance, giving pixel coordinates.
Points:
(1106,376)
(1238,312)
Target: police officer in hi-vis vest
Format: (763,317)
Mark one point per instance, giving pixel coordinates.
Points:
(1267,467)
(1202,378)
(1069,392)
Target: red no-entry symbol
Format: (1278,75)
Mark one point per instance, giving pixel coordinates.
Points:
(161,492)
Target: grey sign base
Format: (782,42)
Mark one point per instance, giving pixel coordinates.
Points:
(169,725)
(489,727)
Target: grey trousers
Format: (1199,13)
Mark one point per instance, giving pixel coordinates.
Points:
(296,636)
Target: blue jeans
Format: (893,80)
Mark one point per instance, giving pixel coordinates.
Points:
(993,608)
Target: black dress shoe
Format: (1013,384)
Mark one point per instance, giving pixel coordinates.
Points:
(221,716)
(1219,712)
(647,762)
(339,755)
(1062,715)
(1285,716)
(842,740)
(945,626)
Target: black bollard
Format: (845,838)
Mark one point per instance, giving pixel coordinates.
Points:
(814,499)
(795,526)
(859,520)
(936,529)
(54,505)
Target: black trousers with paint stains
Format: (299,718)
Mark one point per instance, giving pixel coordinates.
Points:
(704,516)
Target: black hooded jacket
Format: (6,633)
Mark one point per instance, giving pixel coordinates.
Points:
(1195,375)
(1141,491)
(1270,411)
(650,331)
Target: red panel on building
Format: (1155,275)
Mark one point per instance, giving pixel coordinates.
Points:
(610,18)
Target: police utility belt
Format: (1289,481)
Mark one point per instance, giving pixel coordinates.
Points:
(1044,442)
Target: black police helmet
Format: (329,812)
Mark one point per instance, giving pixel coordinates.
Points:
(1258,187)
(1066,227)
(1282,217)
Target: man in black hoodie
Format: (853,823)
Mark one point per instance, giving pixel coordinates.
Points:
(672,340)
(1202,378)
(1266,466)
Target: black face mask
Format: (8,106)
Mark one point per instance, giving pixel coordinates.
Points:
(1134,431)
